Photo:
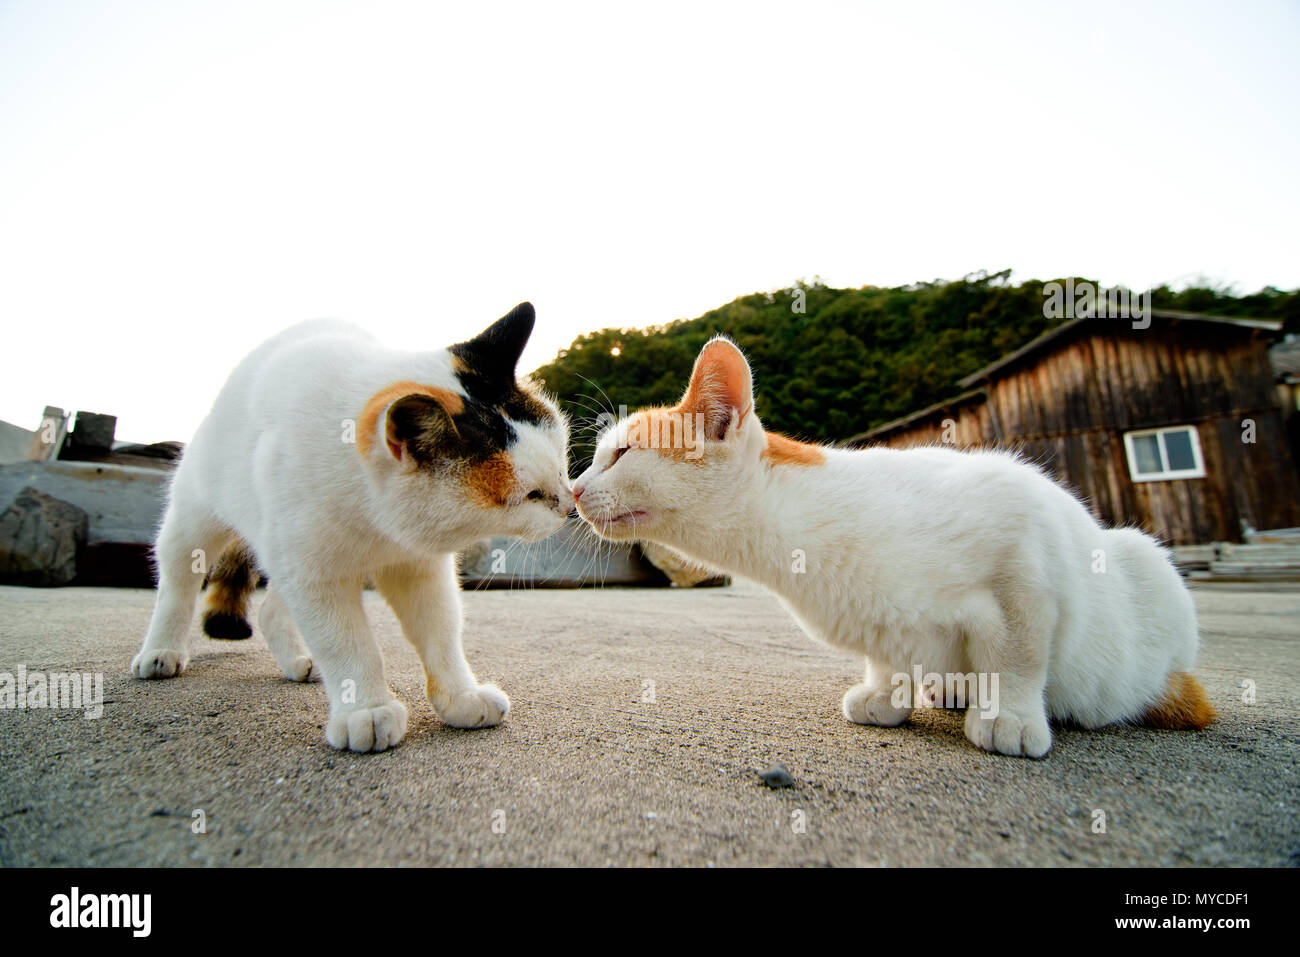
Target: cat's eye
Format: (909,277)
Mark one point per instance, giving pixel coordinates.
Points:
(618,454)
(536,495)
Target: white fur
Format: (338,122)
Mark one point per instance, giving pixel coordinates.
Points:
(957,561)
(272,464)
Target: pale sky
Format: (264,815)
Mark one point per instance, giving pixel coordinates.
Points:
(180,180)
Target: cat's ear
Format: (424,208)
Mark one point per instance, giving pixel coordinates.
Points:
(493,354)
(419,430)
(721,388)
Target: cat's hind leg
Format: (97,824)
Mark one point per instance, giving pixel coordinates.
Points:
(1010,642)
(426,600)
(877,700)
(188,540)
(284,639)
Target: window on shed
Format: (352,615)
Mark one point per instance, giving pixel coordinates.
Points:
(1156,455)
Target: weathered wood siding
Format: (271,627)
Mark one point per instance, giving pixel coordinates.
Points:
(1068,408)
(972,427)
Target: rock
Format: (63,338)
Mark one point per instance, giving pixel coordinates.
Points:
(93,432)
(125,503)
(777,776)
(681,571)
(41,540)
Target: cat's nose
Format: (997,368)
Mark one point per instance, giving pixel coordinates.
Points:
(577,492)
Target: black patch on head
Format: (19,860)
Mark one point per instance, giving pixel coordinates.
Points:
(486,366)
(487,362)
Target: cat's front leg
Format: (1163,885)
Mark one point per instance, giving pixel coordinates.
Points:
(1009,655)
(426,600)
(364,715)
(1015,723)
(878,700)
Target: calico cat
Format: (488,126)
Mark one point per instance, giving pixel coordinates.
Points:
(327,461)
(927,561)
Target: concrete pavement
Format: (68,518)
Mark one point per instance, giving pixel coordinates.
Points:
(591,768)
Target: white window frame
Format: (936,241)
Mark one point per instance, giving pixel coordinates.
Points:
(1166,474)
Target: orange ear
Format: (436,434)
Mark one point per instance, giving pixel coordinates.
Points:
(720,383)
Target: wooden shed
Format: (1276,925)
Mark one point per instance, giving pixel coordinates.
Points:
(1175,428)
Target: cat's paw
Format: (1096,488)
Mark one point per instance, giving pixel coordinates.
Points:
(367,729)
(1018,735)
(865,705)
(485,706)
(159,664)
(301,669)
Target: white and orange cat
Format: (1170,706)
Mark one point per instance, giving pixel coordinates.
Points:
(929,559)
(328,461)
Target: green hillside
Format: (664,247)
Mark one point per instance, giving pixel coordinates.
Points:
(853,359)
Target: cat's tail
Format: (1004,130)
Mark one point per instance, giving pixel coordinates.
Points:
(230,583)
(1183,706)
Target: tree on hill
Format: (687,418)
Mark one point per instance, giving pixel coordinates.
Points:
(831,363)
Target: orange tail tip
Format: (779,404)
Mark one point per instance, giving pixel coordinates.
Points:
(1183,706)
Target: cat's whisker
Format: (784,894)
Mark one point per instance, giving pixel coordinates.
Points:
(612,409)
(597,411)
